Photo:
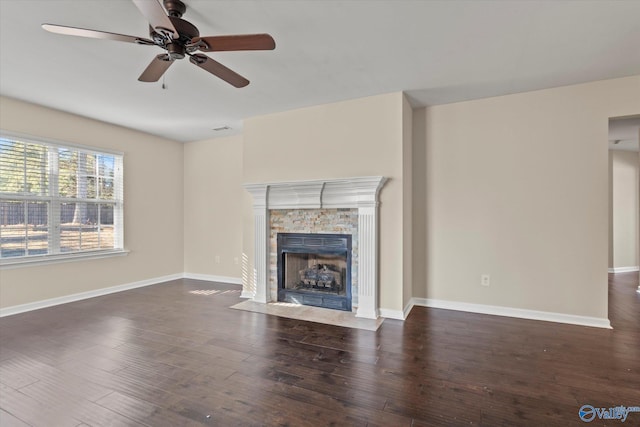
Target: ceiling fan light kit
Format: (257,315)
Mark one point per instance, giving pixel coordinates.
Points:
(179,38)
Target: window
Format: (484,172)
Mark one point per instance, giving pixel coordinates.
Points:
(58,201)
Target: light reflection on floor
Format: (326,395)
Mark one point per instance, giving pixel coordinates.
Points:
(208,292)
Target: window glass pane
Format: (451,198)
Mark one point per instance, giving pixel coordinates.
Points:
(89,230)
(67,166)
(23,168)
(37,228)
(11,166)
(70,213)
(37,169)
(13,230)
(79,229)
(74,213)
(106,189)
(24,228)
(106,227)
(90,183)
(77,176)
(106,165)
(11,163)
(86,176)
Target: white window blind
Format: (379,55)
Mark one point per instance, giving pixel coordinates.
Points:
(57,199)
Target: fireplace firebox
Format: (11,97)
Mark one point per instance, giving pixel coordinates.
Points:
(315,269)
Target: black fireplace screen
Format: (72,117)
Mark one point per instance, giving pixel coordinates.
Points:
(315,269)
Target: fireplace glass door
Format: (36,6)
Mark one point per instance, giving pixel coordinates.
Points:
(315,270)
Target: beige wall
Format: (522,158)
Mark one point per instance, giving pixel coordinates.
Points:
(407,201)
(362,137)
(517,188)
(419,204)
(213,207)
(153,207)
(624,208)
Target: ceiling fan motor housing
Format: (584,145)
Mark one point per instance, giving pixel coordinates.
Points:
(176,48)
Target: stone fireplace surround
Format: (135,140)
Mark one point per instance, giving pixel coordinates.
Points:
(361,193)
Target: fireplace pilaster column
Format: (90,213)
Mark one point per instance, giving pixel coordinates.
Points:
(259,280)
(368,267)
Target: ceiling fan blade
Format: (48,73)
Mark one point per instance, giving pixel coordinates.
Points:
(73,31)
(219,70)
(156,68)
(236,42)
(157,17)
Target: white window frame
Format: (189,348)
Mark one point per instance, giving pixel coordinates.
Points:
(54,200)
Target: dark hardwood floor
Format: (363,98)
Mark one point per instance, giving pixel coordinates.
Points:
(174,354)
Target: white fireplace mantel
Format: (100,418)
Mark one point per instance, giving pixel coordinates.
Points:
(358,192)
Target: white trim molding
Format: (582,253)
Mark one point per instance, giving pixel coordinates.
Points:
(358,192)
(615,270)
(16,309)
(388,313)
(520,313)
(250,295)
(398,314)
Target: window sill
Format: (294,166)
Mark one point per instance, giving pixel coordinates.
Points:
(59,258)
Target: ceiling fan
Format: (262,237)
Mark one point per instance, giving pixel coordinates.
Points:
(179,38)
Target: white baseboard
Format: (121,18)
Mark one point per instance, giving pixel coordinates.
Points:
(247,294)
(214,278)
(397,314)
(408,307)
(512,312)
(624,269)
(391,314)
(16,309)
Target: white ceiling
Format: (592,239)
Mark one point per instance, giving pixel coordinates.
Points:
(326,51)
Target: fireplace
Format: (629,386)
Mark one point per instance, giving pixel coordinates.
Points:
(315,269)
(317,196)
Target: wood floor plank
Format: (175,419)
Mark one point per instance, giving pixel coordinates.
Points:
(34,412)
(84,410)
(144,412)
(15,378)
(127,384)
(76,385)
(8,420)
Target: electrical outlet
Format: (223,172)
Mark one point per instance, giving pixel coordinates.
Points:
(217,259)
(236,260)
(485,280)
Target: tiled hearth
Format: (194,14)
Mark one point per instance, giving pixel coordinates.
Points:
(344,206)
(310,314)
